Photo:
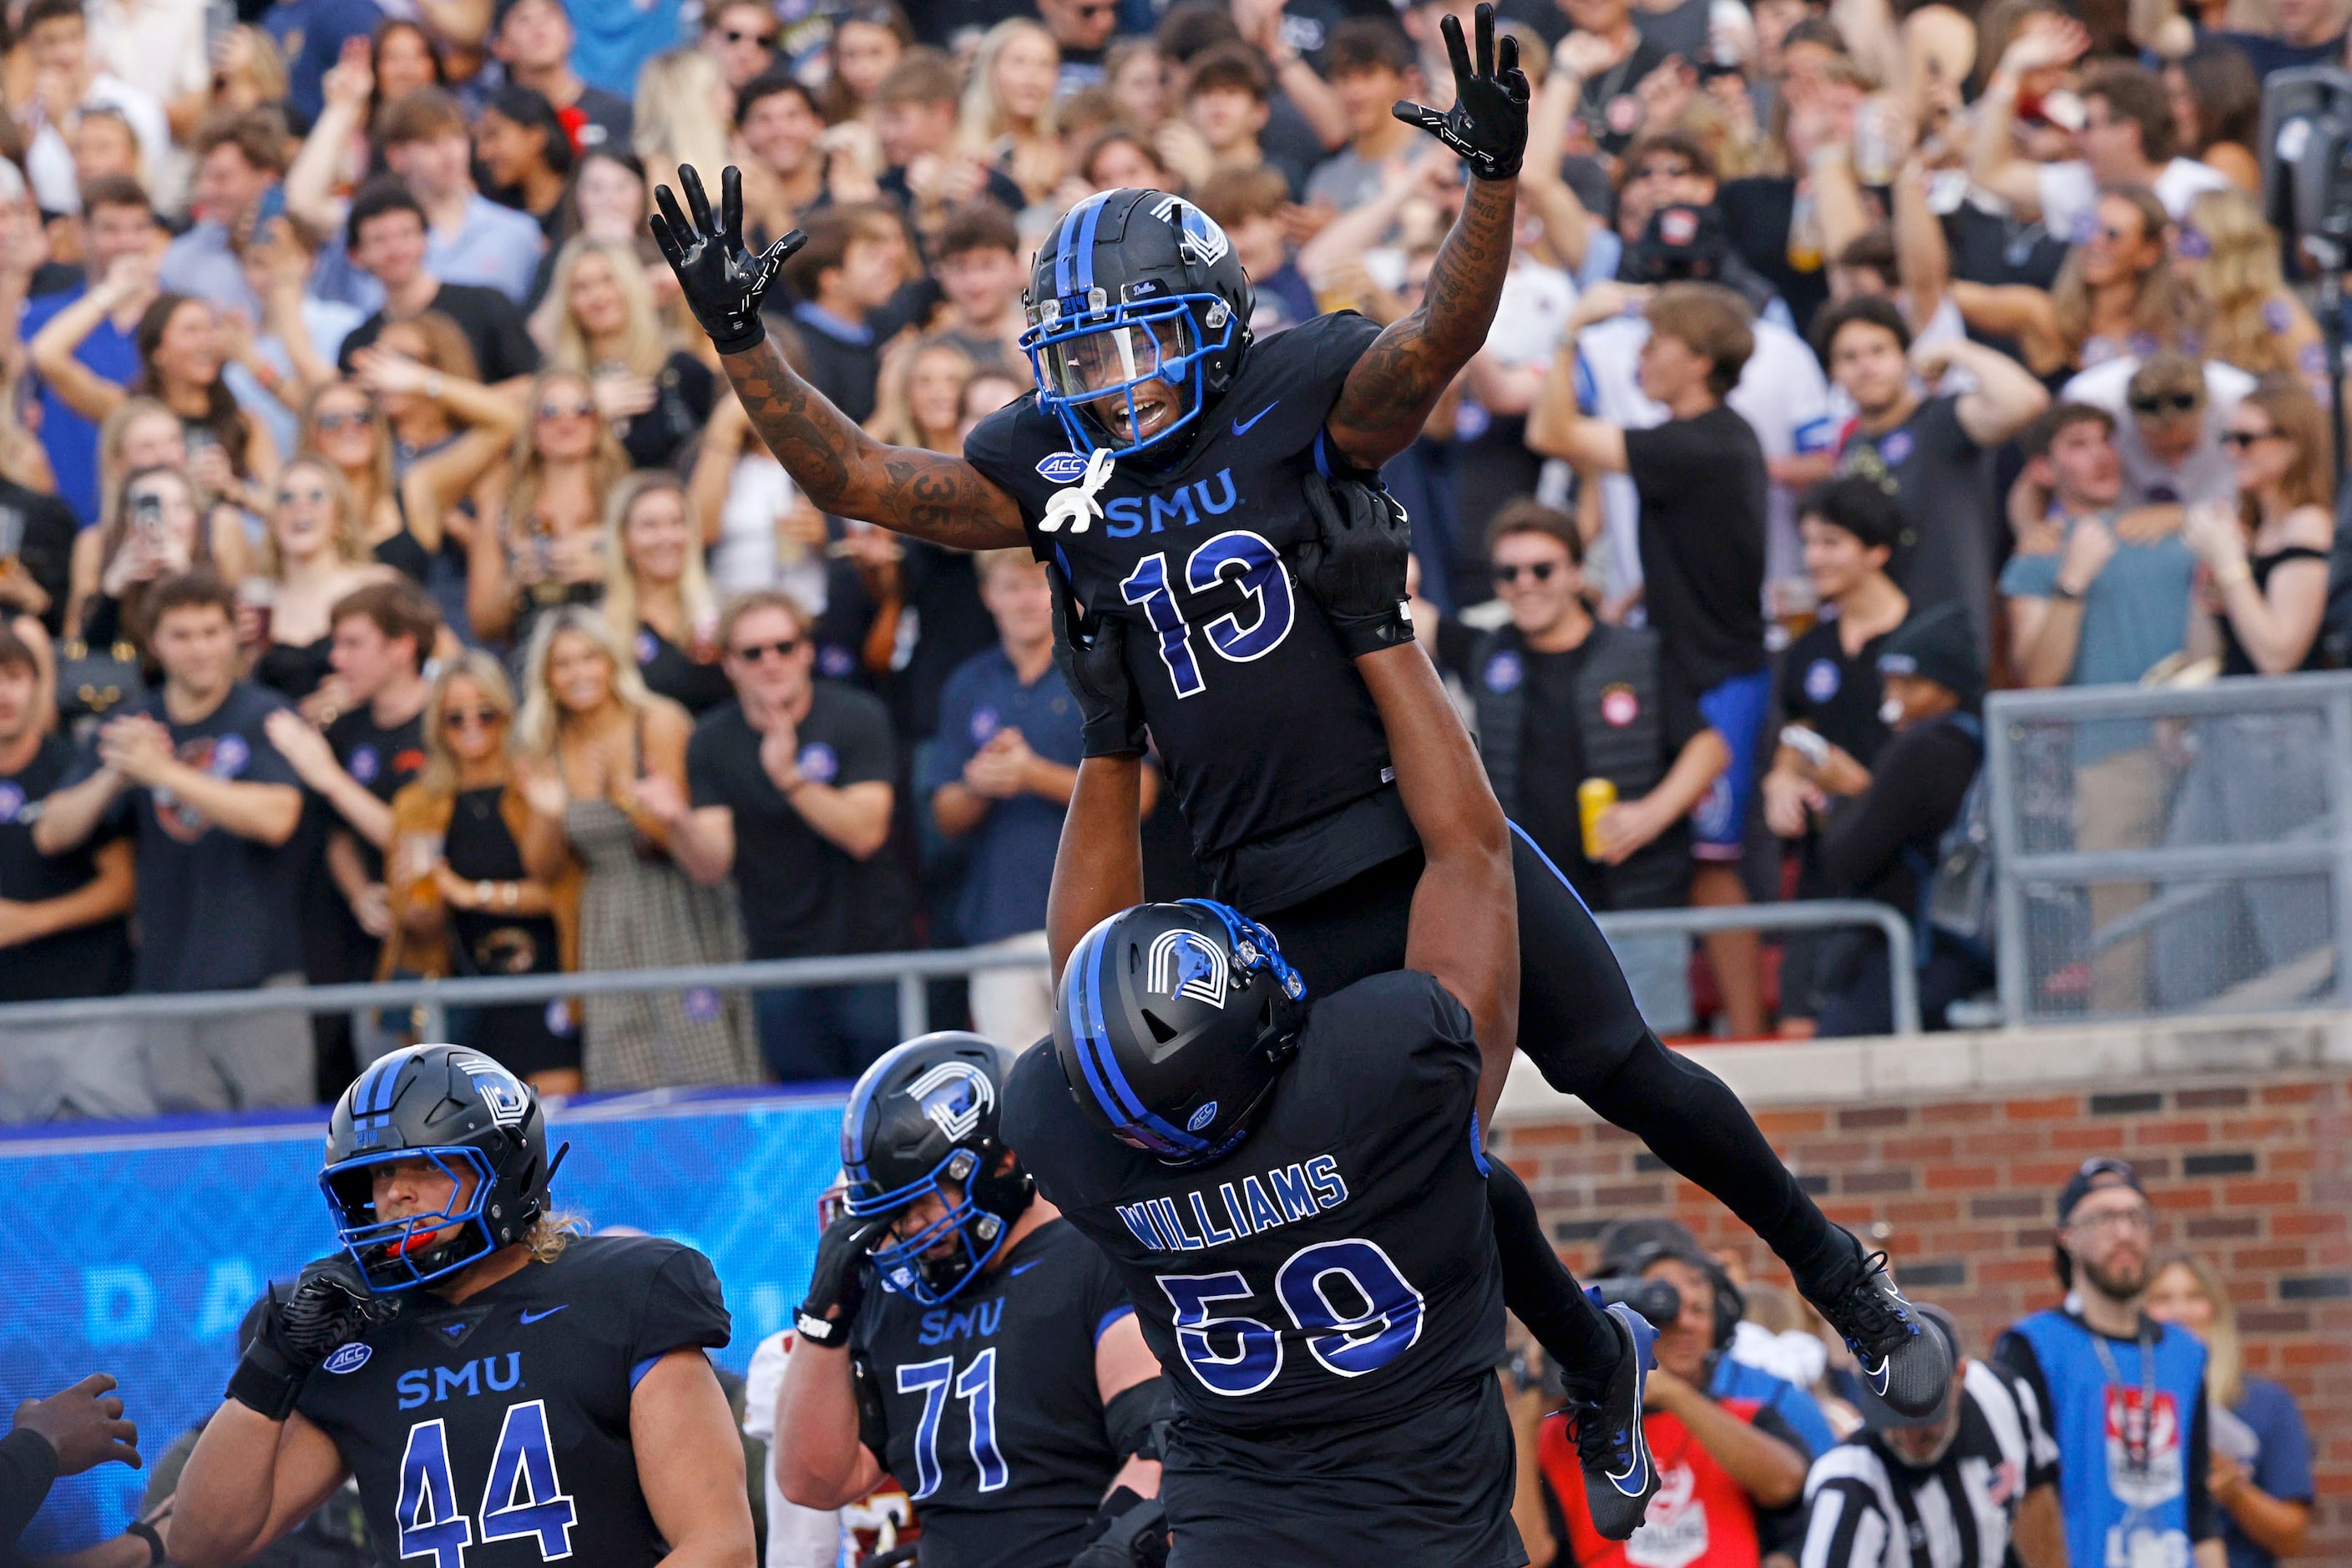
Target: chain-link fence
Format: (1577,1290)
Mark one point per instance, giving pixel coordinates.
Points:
(2172,850)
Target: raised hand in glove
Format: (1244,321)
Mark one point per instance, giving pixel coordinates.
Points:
(837,1284)
(1091,652)
(722,280)
(1129,1531)
(1488,122)
(1354,564)
(328,1307)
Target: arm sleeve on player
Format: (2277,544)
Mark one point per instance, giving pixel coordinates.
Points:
(683,1307)
(1132,1417)
(873,1414)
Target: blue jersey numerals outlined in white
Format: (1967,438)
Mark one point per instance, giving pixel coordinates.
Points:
(1238,553)
(1377,1319)
(976,1386)
(522,1496)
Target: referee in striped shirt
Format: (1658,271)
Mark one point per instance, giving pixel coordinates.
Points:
(1954,1488)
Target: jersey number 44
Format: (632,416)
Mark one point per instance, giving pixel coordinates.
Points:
(520,1497)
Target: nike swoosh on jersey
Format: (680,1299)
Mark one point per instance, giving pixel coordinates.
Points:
(1020,1268)
(1241,429)
(530,1317)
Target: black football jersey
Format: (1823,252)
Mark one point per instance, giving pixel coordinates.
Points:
(1338,1265)
(496,1432)
(1254,706)
(994,1419)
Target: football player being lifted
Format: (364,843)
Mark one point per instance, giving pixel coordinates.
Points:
(999,1372)
(505,1390)
(1158,470)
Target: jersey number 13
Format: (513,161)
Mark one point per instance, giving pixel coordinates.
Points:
(1239,553)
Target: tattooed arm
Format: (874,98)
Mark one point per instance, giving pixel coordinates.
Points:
(848,473)
(1388,397)
(841,469)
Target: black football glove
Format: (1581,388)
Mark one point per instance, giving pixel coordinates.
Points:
(328,1307)
(722,281)
(838,1279)
(1488,122)
(1354,564)
(1129,1531)
(1091,652)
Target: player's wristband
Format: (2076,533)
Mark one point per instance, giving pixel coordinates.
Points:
(147,1532)
(824,1334)
(1361,634)
(265,1382)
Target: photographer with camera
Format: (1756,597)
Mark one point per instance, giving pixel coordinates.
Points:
(1731,1468)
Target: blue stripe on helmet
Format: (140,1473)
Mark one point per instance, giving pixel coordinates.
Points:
(1082,1031)
(388,1080)
(1127,1105)
(1086,257)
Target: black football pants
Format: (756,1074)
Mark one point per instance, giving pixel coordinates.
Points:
(1578,1025)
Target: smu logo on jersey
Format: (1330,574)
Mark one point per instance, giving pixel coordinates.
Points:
(1188,504)
(431,1386)
(979,1320)
(1299,1190)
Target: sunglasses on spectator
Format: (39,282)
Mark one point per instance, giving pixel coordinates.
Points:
(1541,571)
(359,419)
(1101,8)
(2162,403)
(765,40)
(783,648)
(566,410)
(472,719)
(2241,439)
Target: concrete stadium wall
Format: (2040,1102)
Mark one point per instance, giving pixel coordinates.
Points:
(1949,1152)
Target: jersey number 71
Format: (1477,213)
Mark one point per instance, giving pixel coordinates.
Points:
(521,1496)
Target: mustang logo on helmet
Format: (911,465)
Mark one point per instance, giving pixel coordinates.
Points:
(1185,963)
(954,1096)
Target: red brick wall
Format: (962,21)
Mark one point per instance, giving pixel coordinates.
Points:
(1960,1192)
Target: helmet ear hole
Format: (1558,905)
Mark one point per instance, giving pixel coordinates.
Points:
(1160,1032)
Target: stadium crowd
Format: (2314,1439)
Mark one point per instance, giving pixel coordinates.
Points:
(396,587)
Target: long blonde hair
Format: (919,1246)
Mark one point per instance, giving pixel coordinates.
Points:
(112,468)
(379,466)
(349,535)
(982,120)
(2225,1361)
(2240,278)
(700,604)
(682,116)
(646,344)
(607,462)
(2164,308)
(439,775)
(894,419)
(541,718)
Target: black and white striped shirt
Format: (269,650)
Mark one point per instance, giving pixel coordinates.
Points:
(1869,1509)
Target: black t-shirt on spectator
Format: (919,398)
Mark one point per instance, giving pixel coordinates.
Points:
(42,529)
(1935,472)
(1702,485)
(840,359)
(684,390)
(1838,696)
(217,912)
(88,960)
(605,119)
(502,347)
(802,895)
(383,762)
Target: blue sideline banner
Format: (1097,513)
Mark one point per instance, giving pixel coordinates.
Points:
(138,1255)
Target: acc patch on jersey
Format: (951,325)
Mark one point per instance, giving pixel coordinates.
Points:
(351,1358)
(1062,468)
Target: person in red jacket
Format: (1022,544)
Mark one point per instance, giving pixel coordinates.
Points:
(1730,1472)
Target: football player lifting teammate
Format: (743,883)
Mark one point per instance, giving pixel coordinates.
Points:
(505,1391)
(1159,469)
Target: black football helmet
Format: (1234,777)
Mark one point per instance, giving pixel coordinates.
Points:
(1174,1022)
(923,1116)
(467,1115)
(1131,287)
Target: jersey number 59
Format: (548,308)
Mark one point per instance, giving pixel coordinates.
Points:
(1237,553)
(521,1496)
(1356,1311)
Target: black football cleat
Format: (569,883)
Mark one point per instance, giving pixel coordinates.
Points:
(1619,1477)
(1903,1362)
